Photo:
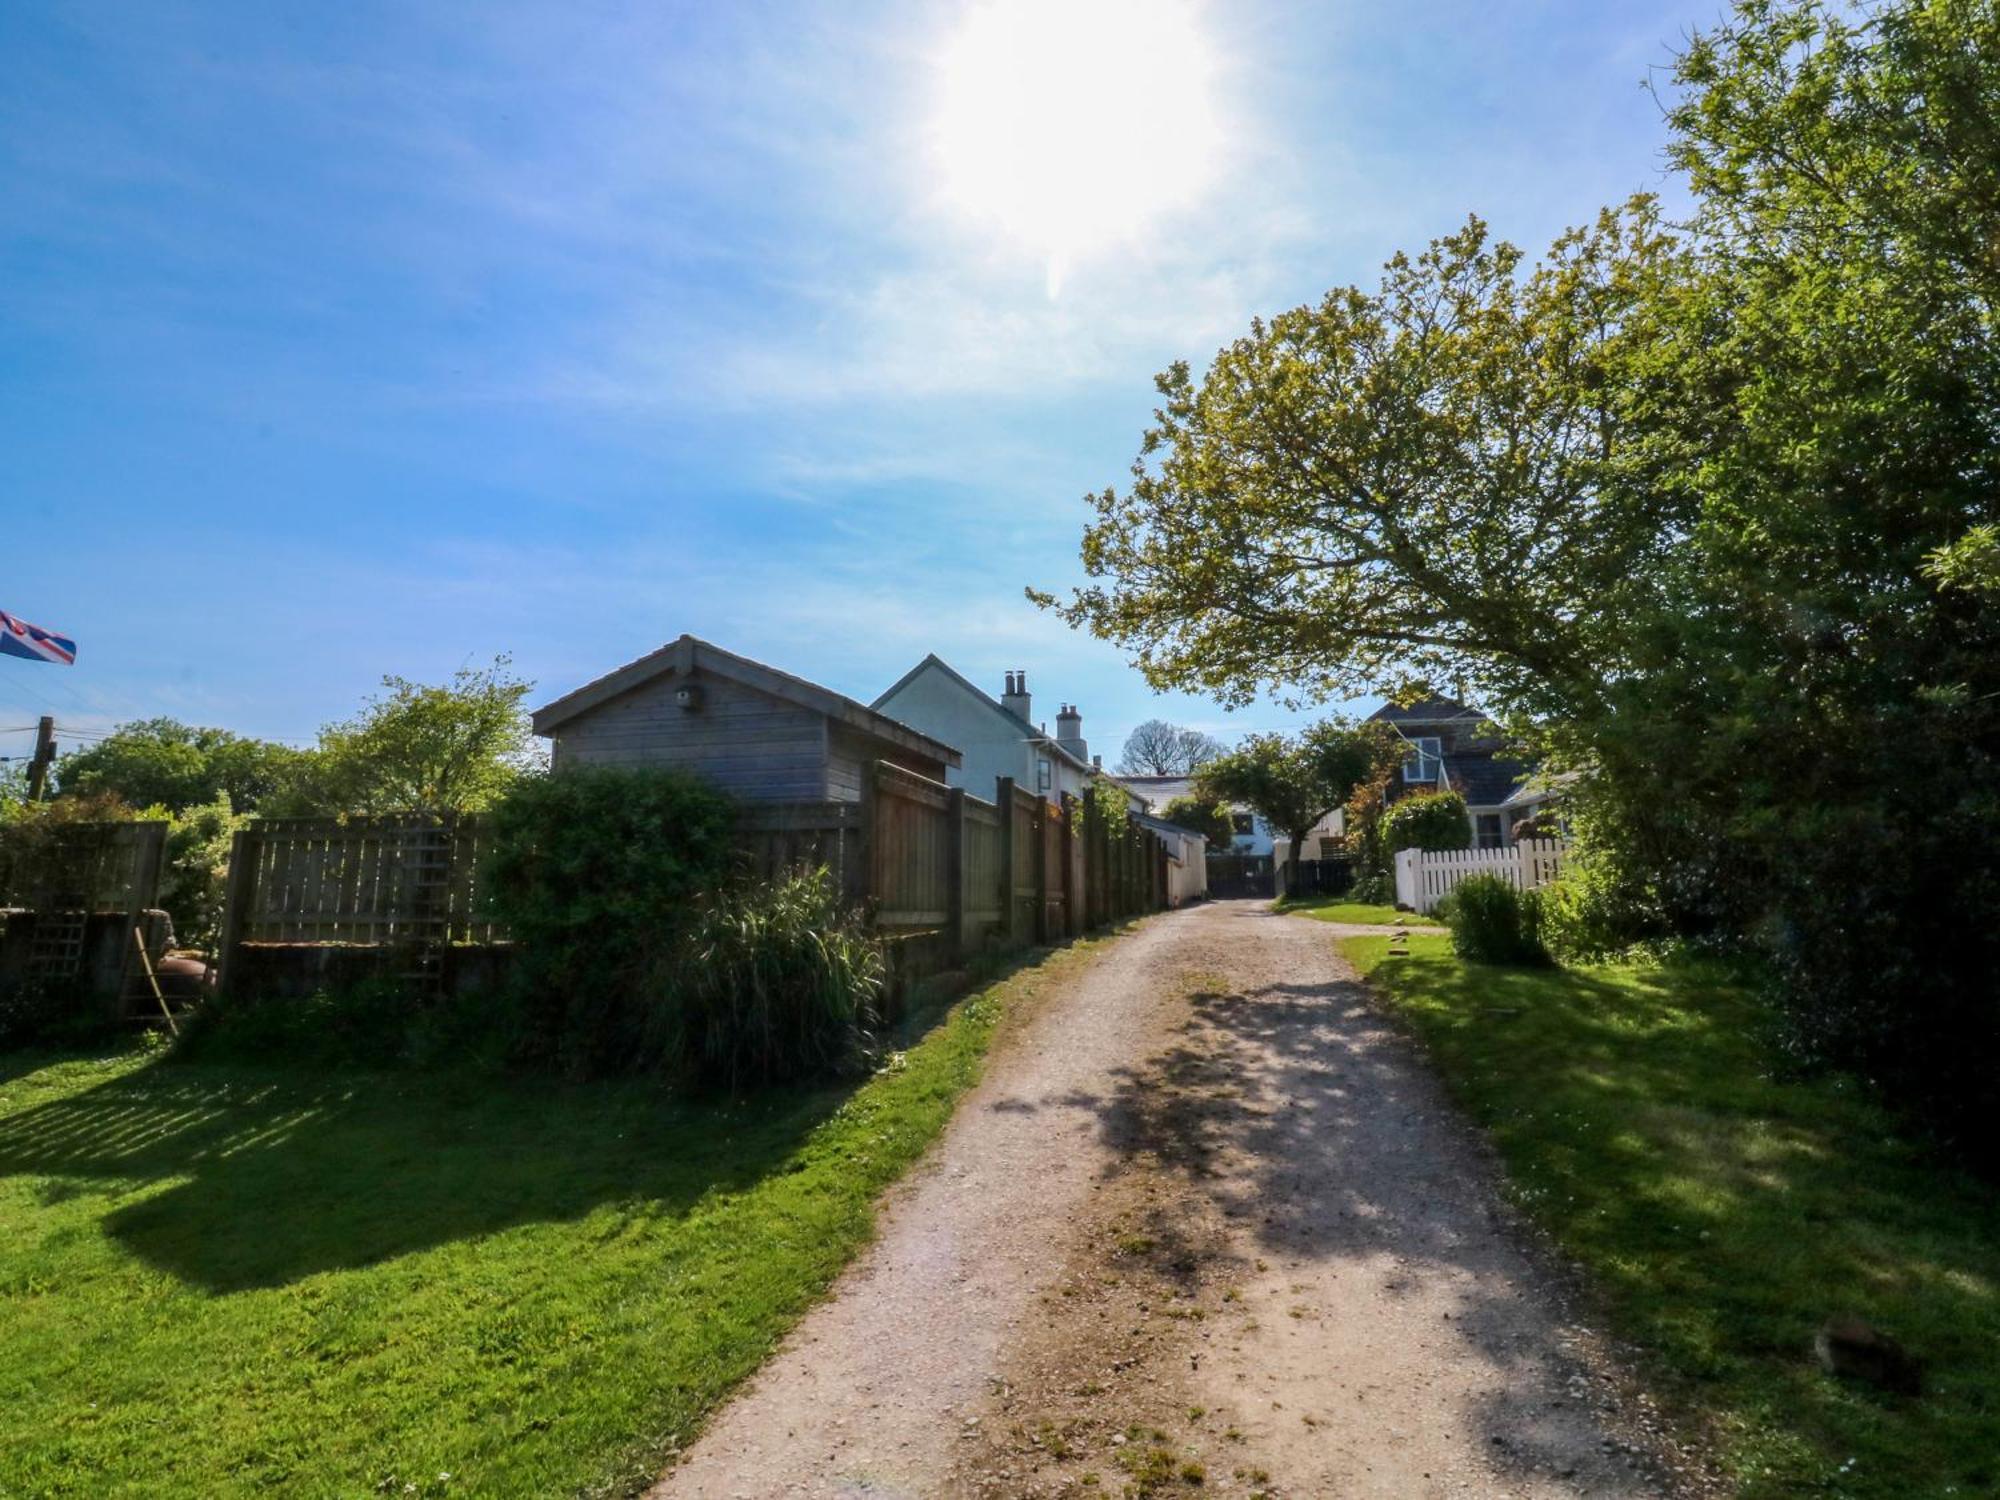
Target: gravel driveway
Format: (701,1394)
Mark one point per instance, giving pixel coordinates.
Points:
(1207,1222)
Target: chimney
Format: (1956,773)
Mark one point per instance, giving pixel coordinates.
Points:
(1069,732)
(1015,700)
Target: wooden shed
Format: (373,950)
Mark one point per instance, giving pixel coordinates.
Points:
(760,734)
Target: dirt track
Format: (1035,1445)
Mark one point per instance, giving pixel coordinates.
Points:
(1206,1220)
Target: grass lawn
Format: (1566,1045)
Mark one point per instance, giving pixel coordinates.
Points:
(1332,909)
(217,1280)
(1725,1213)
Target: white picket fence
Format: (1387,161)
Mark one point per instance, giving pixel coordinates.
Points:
(1422,878)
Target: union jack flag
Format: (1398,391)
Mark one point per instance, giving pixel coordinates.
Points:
(19,638)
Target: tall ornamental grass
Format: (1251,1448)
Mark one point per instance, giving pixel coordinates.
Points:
(773,983)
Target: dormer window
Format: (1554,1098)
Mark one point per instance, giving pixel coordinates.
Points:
(1425,758)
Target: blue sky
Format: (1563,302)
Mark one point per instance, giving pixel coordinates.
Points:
(344,340)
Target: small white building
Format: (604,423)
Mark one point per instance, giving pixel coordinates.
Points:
(1253,836)
(995,736)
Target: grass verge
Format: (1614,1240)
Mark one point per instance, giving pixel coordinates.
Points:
(1725,1213)
(1333,909)
(217,1280)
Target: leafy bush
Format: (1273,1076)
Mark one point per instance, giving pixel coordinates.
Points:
(771,984)
(1373,889)
(51,1013)
(1492,923)
(596,872)
(196,874)
(1594,911)
(378,1023)
(1429,820)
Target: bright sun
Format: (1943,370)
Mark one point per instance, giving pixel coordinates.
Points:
(1073,124)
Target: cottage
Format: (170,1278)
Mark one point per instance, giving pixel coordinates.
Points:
(997,736)
(760,734)
(1451,747)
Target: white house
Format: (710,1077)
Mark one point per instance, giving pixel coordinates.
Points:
(995,736)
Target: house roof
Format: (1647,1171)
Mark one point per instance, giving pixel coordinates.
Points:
(1161,825)
(1026,730)
(690,656)
(1485,780)
(1149,787)
(1428,711)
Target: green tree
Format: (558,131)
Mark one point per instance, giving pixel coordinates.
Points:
(1157,748)
(451,747)
(1406,482)
(165,763)
(1293,781)
(1707,512)
(1204,815)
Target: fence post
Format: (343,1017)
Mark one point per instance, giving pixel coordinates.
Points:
(860,870)
(1073,919)
(1039,855)
(235,905)
(954,869)
(1010,924)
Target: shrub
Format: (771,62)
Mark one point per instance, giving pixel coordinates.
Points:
(596,872)
(772,984)
(362,1026)
(1429,820)
(51,1013)
(1593,912)
(376,1023)
(196,874)
(1492,923)
(1373,889)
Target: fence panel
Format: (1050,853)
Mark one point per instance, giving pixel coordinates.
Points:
(1028,845)
(1056,864)
(772,838)
(82,867)
(1424,878)
(368,881)
(912,850)
(984,879)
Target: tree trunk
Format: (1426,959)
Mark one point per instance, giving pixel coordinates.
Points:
(1292,863)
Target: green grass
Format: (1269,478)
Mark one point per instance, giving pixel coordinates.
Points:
(221,1280)
(1331,909)
(1725,1212)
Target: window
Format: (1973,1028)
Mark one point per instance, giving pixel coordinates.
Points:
(1044,774)
(1242,823)
(1490,836)
(1425,757)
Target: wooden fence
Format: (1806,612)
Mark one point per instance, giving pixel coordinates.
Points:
(72,895)
(933,865)
(1423,878)
(82,867)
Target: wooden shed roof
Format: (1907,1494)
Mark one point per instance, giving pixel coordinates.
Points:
(692,657)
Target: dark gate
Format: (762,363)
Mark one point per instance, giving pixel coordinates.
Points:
(1319,877)
(1234,876)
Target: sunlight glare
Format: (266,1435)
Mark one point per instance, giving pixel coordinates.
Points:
(1074,124)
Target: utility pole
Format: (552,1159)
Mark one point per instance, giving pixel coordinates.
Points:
(45,755)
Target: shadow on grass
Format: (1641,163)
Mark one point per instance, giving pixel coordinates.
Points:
(1728,1209)
(264,1177)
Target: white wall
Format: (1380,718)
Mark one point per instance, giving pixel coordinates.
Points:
(939,707)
